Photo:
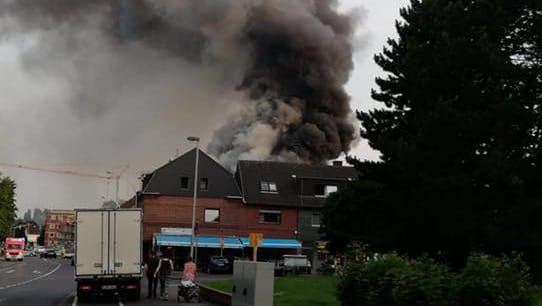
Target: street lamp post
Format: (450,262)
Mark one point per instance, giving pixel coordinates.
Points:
(193,236)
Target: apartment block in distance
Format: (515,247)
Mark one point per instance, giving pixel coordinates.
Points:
(59,227)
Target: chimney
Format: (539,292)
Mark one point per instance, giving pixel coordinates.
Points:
(337,163)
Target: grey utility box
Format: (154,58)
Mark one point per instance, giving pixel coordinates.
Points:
(252,283)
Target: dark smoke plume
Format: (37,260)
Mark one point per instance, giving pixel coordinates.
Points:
(290,58)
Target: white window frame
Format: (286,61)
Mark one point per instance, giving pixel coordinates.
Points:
(268,187)
(205,215)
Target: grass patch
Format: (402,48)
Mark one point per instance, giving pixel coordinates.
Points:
(296,290)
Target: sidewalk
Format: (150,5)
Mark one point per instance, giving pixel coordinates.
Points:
(172,286)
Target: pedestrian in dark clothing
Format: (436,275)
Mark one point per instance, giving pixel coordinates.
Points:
(150,268)
(165,266)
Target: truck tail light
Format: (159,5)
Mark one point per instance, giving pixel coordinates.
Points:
(85,287)
(131,287)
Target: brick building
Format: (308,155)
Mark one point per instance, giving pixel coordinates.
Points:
(280,200)
(59,227)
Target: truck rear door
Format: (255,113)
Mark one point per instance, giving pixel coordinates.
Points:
(91,242)
(125,242)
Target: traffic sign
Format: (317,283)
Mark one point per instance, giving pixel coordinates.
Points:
(255,239)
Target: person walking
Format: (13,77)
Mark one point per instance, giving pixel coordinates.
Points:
(165,266)
(150,268)
(189,270)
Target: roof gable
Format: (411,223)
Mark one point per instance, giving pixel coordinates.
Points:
(167,179)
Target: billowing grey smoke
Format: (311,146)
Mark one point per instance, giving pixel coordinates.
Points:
(301,57)
(290,59)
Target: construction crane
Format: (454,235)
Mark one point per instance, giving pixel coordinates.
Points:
(110,174)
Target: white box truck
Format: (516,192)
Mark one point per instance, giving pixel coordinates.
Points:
(108,250)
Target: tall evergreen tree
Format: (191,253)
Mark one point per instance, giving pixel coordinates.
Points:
(8,210)
(459,134)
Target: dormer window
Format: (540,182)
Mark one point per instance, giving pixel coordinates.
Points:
(268,187)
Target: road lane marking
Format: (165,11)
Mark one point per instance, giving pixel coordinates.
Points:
(10,271)
(31,280)
(120,303)
(36,272)
(13,266)
(74,301)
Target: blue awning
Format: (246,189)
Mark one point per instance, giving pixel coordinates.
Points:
(275,243)
(202,241)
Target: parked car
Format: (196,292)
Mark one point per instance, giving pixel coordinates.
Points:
(29,252)
(40,249)
(217,264)
(69,253)
(49,253)
(327,267)
(293,264)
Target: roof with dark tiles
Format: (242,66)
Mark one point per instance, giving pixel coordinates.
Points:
(166,180)
(287,177)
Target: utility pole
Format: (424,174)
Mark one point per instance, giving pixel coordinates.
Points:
(193,236)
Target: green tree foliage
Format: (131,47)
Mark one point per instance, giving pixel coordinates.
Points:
(41,237)
(8,210)
(460,134)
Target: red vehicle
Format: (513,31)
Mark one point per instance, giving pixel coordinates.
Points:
(14,248)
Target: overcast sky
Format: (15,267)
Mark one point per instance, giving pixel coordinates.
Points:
(43,190)
(378,24)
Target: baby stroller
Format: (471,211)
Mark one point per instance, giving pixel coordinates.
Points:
(188,290)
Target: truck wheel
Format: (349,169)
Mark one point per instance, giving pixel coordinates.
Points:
(81,298)
(135,295)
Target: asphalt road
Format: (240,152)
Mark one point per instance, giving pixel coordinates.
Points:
(35,281)
(49,282)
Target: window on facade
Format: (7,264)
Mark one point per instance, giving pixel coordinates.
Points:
(51,235)
(184,182)
(322,190)
(51,226)
(270,216)
(212,215)
(316,220)
(204,183)
(268,186)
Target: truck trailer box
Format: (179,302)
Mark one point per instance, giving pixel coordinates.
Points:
(108,259)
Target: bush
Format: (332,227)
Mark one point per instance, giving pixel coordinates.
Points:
(394,280)
(488,280)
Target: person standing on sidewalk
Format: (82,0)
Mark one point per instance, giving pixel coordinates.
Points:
(165,266)
(150,268)
(189,271)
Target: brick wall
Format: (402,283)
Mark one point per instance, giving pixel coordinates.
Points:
(53,223)
(235,218)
